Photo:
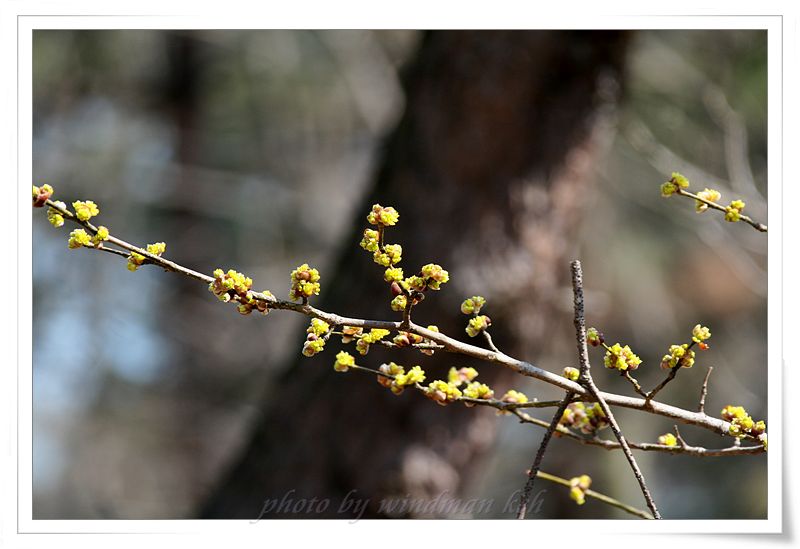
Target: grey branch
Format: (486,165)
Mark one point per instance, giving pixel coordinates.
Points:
(586,381)
(537,462)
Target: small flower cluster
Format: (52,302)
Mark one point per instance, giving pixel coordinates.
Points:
(668,439)
(442,393)
(584,417)
(137,260)
(699,335)
(386,255)
(462,375)
(477,325)
(391,255)
(710,195)
(393,274)
(406,339)
(386,217)
(370,240)
(41,195)
(621,358)
(225,283)
(305,283)
(344,361)
(578,488)
(399,302)
(473,305)
(365,340)
(54,216)
(430,277)
(733,212)
(572,373)
(676,182)
(227,286)
(513,397)
(401,379)
(742,424)
(679,355)
(249,303)
(101,235)
(390,369)
(473,389)
(85,210)
(316,338)
(682,355)
(433,277)
(79,238)
(477,390)
(349,333)
(594,337)
(408,291)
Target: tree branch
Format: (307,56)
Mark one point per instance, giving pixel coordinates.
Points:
(598,496)
(755,224)
(701,408)
(537,462)
(449,344)
(697,451)
(586,381)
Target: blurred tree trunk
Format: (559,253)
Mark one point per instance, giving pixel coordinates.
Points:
(487,168)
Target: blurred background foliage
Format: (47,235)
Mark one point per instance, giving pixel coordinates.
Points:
(251,149)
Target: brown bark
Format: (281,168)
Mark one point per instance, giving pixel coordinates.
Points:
(486,169)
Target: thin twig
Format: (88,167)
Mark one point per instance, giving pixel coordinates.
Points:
(586,381)
(678,437)
(537,462)
(697,451)
(701,408)
(636,387)
(671,375)
(562,431)
(489,341)
(102,248)
(756,225)
(598,496)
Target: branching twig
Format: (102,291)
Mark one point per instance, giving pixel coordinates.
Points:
(755,224)
(598,496)
(636,387)
(697,451)
(701,408)
(517,410)
(102,248)
(679,438)
(489,341)
(537,462)
(671,375)
(586,381)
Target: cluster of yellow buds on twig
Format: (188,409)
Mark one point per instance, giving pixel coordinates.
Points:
(708,198)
